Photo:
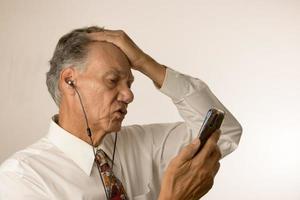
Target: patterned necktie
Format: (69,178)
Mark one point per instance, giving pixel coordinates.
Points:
(113,186)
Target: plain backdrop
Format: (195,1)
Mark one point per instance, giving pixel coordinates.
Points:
(248,52)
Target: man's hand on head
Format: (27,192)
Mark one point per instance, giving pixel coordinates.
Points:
(119,38)
(189,176)
(138,59)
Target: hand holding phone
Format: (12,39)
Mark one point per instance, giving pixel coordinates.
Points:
(212,122)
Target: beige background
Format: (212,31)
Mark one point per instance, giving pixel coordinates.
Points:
(247,51)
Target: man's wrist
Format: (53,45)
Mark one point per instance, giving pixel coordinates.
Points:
(163,195)
(155,71)
(143,63)
(167,186)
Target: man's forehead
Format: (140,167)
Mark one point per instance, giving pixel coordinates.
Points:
(106,50)
(106,58)
(124,72)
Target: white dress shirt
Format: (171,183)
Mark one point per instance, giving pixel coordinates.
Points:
(61,166)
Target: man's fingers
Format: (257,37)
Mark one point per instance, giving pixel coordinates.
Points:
(211,142)
(209,146)
(120,39)
(103,36)
(216,168)
(188,151)
(215,136)
(109,36)
(214,157)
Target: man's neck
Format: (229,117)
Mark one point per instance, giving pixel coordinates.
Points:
(76,126)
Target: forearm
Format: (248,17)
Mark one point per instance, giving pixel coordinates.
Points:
(152,69)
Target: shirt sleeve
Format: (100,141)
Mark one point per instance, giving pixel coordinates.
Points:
(193,99)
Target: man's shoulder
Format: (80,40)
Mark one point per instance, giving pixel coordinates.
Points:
(22,158)
(19,174)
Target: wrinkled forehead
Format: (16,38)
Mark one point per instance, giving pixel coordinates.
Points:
(120,72)
(105,58)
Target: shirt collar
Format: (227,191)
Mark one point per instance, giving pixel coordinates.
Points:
(74,148)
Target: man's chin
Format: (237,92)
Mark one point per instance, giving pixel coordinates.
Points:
(115,127)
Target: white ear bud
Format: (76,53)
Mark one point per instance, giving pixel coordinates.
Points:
(70,82)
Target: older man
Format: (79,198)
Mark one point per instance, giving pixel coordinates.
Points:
(88,155)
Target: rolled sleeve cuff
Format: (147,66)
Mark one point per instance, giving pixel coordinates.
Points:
(177,85)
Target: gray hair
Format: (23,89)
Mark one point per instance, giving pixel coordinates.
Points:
(71,49)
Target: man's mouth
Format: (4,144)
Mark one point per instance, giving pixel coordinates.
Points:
(122,112)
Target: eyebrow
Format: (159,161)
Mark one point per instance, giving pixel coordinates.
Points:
(119,72)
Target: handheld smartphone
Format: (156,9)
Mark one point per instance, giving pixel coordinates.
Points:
(212,122)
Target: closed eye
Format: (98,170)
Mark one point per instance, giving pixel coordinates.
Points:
(113,80)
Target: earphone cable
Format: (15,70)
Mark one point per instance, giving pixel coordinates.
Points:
(89,132)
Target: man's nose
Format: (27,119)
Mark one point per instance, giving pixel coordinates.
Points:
(126,95)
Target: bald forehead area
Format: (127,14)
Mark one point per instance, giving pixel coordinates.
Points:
(106,58)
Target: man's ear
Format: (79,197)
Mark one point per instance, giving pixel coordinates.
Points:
(69,73)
